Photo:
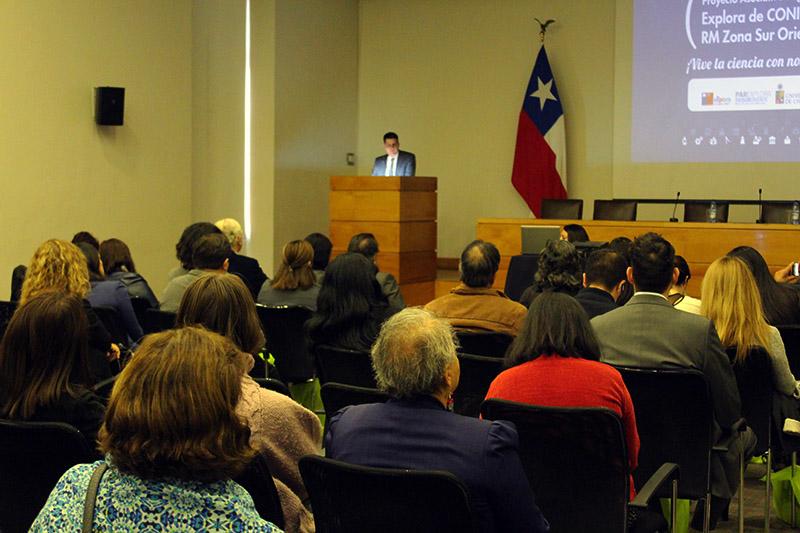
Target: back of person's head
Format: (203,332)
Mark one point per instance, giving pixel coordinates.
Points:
(559,267)
(116,256)
(92,261)
(605,268)
(172,411)
(731,300)
(322,246)
(56,265)
(779,302)
(556,324)
(479,263)
(622,245)
(390,135)
(684,273)
(43,354)
(653,263)
(576,233)
(222,303)
(85,236)
(185,246)
(295,270)
(412,352)
(232,230)
(210,252)
(365,244)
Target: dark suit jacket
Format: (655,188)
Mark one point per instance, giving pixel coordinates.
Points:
(595,301)
(406,165)
(421,434)
(249,270)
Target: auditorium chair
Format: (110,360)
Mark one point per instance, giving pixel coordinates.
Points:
(614,210)
(338,395)
(698,211)
(274,385)
(571,209)
(776,213)
(257,481)
(477,373)
(33,456)
(113,323)
(486,343)
(577,465)
(675,420)
(348,498)
(284,328)
(790,335)
(349,367)
(140,306)
(6,312)
(156,321)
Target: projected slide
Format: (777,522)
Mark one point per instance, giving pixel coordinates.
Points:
(716,80)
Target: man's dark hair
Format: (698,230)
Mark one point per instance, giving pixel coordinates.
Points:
(653,261)
(322,246)
(184,249)
(684,274)
(364,244)
(390,135)
(211,251)
(88,238)
(622,245)
(576,233)
(605,267)
(479,263)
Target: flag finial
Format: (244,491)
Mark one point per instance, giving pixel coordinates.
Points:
(543,27)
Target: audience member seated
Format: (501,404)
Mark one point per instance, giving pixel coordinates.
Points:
(559,270)
(43,365)
(604,277)
(474,304)
(88,238)
(415,362)
(554,362)
(184,249)
(623,245)
(245,267)
(172,440)
(210,254)
(17,278)
(574,233)
(107,293)
(118,265)
(677,294)
(322,246)
(59,265)
(649,333)
(280,428)
(294,283)
(366,245)
(780,301)
(350,306)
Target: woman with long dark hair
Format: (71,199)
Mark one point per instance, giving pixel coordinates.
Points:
(781,303)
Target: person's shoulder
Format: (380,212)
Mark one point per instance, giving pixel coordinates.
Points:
(407,154)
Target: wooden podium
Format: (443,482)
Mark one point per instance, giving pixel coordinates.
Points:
(401,213)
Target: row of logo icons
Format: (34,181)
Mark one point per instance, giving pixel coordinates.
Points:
(755,140)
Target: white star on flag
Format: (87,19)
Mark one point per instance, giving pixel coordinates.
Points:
(543,93)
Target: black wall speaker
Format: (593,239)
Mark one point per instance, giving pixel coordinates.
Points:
(109,105)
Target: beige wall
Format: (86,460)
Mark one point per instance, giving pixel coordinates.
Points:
(449,77)
(60,172)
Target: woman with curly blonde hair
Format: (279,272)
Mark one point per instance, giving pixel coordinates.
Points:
(59,265)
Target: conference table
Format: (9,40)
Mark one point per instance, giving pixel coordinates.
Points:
(700,243)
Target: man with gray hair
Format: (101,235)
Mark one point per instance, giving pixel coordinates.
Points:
(245,267)
(415,361)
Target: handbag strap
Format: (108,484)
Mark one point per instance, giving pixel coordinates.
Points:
(91,497)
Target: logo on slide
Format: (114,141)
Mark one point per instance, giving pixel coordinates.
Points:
(706,98)
(780,95)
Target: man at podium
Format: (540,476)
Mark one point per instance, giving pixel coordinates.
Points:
(396,162)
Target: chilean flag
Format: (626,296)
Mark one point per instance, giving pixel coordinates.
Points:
(540,169)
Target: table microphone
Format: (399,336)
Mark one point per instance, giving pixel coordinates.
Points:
(677,198)
(760,209)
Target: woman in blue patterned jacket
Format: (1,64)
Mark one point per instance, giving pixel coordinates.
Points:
(172,441)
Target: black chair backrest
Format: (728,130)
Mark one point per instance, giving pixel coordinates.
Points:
(488,344)
(348,498)
(571,209)
(257,480)
(338,395)
(614,210)
(776,213)
(674,417)
(156,320)
(791,341)
(140,306)
(576,463)
(349,367)
(698,211)
(17,278)
(33,456)
(103,389)
(756,388)
(284,328)
(6,312)
(113,323)
(477,373)
(274,385)
(521,269)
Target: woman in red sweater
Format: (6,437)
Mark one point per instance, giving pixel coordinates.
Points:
(554,362)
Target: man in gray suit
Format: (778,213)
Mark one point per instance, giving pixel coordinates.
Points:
(649,333)
(366,245)
(396,162)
